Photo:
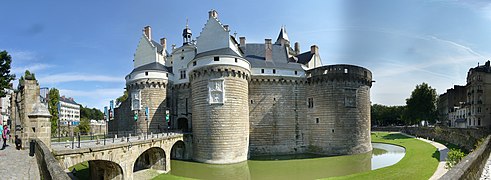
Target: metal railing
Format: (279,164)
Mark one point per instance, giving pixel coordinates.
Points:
(91,140)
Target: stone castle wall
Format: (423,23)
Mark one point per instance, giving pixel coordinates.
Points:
(220,130)
(181,106)
(153,95)
(339,117)
(277,110)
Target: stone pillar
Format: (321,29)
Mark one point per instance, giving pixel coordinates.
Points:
(40,123)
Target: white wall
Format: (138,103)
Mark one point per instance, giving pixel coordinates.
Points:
(279,72)
(212,37)
(152,74)
(224,60)
(145,53)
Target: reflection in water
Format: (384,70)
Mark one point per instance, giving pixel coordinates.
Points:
(298,168)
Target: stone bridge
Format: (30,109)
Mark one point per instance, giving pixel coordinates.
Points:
(120,160)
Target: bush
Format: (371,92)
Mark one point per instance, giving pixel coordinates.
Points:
(453,157)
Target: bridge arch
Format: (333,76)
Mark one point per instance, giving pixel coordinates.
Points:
(102,169)
(152,158)
(178,150)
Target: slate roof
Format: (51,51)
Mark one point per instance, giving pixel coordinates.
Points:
(254,53)
(152,66)
(304,58)
(67,100)
(222,51)
(156,44)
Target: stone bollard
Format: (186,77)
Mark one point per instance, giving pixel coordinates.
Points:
(151,134)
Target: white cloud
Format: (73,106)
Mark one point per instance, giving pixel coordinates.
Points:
(71,77)
(31,67)
(23,55)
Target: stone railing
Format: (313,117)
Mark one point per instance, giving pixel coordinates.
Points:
(472,165)
(49,168)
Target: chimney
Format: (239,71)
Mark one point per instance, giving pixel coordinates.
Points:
(213,14)
(148,32)
(226,27)
(173,46)
(297,48)
(242,41)
(314,49)
(268,52)
(163,42)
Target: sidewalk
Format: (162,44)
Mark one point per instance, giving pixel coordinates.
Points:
(440,170)
(17,164)
(486,172)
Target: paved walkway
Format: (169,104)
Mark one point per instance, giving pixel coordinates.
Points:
(440,170)
(17,164)
(486,172)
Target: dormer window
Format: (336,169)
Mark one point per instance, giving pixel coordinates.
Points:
(194,63)
(146,73)
(216,58)
(183,74)
(274,71)
(262,70)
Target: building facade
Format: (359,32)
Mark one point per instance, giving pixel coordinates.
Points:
(478,88)
(69,112)
(243,99)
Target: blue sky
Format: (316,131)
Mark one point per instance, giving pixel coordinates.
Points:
(85,48)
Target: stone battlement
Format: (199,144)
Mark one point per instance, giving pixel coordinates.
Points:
(340,72)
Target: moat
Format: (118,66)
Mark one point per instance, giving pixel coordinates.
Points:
(303,166)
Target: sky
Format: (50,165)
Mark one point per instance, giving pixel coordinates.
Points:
(86,48)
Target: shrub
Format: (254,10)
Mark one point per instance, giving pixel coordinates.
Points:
(453,157)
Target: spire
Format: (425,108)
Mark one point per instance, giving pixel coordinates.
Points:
(186,34)
(283,37)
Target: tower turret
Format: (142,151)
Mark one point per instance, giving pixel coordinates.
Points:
(186,35)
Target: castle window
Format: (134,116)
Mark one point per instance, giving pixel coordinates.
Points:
(194,63)
(146,73)
(317,120)
(216,58)
(252,101)
(479,121)
(166,74)
(274,71)
(182,50)
(182,57)
(262,70)
(236,60)
(296,72)
(171,62)
(365,73)
(183,74)
(332,130)
(310,102)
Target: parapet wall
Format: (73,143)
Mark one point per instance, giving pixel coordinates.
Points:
(49,167)
(472,165)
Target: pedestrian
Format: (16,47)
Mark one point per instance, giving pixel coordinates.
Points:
(5,134)
(18,143)
(1,132)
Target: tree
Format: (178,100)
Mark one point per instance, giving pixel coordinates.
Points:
(84,126)
(421,105)
(53,100)
(5,76)
(387,115)
(122,98)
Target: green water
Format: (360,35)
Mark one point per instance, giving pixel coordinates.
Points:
(311,168)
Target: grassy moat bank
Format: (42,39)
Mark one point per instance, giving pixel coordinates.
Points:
(420,161)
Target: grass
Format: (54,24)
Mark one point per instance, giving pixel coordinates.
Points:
(170,176)
(420,161)
(82,170)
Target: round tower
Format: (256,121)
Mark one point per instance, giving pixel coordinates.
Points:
(147,88)
(338,111)
(219,90)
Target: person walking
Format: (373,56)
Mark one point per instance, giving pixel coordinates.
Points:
(1,132)
(5,135)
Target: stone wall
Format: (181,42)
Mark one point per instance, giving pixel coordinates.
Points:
(463,137)
(472,165)
(181,111)
(154,96)
(49,167)
(220,130)
(277,111)
(339,110)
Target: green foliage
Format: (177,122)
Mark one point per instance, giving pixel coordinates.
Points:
(421,106)
(93,113)
(122,98)
(29,76)
(53,100)
(5,76)
(387,115)
(453,157)
(84,125)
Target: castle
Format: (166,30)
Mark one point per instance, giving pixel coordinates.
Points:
(246,99)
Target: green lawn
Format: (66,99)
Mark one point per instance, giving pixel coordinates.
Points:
(171,177)
(82,170)
(420,161)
